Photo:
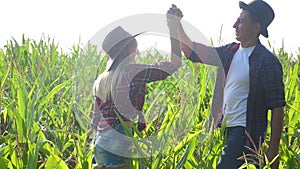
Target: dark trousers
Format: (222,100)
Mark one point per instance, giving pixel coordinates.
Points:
(235,140)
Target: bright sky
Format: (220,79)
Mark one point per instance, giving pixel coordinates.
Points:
(67,21)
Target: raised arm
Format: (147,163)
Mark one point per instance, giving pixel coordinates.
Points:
(200,53)
(187,46)
(185,42)
(173,19)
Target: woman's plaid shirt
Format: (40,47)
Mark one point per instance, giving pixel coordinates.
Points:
(128,95)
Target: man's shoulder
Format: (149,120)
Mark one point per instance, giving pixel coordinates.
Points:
(264,50)
(265,55)
(228,45)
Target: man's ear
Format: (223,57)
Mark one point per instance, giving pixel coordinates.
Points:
(256,27)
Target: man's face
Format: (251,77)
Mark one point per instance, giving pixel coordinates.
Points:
(245,28)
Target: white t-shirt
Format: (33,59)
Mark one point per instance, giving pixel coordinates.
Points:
(237,89)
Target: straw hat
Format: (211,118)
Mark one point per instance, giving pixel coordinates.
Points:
(115,41)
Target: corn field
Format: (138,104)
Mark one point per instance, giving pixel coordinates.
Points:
(46,105)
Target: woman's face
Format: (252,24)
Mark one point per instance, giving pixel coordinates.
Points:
(133,50)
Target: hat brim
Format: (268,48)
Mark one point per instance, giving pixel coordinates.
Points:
(243,5)
(246,7)
(114,61)
(265,33)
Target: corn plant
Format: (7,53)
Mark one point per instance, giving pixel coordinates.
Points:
(46,102)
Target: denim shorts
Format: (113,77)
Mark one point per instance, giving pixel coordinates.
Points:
(113,147)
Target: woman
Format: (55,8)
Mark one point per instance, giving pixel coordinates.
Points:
(120,90)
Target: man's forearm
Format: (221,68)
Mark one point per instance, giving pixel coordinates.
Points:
(276,128)
(186,45)
(185,41)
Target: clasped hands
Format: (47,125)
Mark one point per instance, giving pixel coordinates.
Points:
(174,16)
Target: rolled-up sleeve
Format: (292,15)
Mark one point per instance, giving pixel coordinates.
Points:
(273,83)
(210,56)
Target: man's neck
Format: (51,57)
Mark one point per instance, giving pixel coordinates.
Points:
(249,43)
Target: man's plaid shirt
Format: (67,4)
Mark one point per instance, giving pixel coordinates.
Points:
(266,85)
(128,95)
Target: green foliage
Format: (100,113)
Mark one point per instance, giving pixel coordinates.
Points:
(46,101)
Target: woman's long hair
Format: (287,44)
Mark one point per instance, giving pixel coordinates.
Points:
(107,80)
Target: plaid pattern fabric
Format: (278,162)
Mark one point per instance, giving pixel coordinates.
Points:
(128,95)
(266,85)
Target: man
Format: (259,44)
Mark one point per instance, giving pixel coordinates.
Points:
(249,83)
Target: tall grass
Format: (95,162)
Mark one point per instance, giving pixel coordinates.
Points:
(46,102)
